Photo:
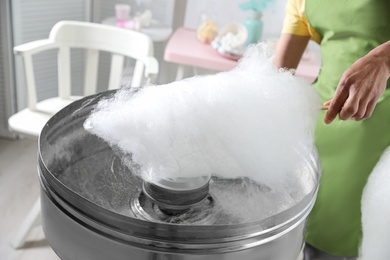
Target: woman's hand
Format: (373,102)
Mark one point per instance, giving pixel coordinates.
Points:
(361,86)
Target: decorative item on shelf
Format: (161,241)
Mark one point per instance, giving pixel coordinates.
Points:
(254,24)
(142,19)
(133,24)
(207,31)
(231,40)
(145,18)
(122,14)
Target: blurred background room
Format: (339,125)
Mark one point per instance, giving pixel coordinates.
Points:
(185,43)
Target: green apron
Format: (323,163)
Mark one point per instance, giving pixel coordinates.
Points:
(348,150)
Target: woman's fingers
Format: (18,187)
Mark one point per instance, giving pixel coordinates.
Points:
(370,108)
(356,106)
(327,103)
(360,86)
(350,107)
(336,104)
(363,105)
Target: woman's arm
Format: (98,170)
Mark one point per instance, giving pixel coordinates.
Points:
(361,86)
(289,50)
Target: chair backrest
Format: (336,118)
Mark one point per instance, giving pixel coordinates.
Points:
(92,37)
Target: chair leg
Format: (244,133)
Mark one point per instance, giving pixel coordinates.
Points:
(32,220)
(195,71)
(180,72)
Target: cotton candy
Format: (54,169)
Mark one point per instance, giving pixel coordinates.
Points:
(254,121)
(376,212)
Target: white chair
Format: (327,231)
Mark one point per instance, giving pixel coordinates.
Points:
(92,37)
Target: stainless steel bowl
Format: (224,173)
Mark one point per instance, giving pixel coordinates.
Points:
(93,207)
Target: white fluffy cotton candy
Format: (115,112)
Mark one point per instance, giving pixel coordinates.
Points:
(254,121)
(376,212)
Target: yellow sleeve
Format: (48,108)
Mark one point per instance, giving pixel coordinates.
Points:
(295,21)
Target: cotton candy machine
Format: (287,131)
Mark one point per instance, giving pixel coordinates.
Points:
(94,207)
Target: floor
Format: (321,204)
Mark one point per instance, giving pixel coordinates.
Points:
(19,189)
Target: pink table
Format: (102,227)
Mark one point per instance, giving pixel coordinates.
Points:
(185,49)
